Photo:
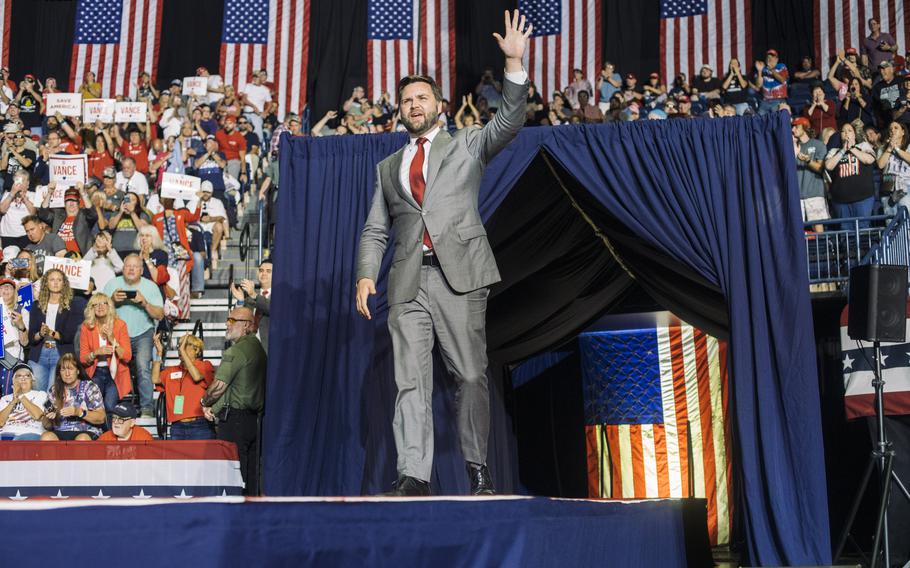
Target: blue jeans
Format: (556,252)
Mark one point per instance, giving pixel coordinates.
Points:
(199,429)
(256,121)
(108,387)
(43,368)
(142,354)
(197,275)
(20,437)
(861,208)
(769,105)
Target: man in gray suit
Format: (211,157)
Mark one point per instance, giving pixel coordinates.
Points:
(443,264)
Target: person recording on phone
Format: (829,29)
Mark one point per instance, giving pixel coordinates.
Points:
(139,304)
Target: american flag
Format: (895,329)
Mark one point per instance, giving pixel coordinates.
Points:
(271,35)
(840,24)
(858,363)
(406,37)
(566,36)
(6,7)
(116,40)
(652,397)
(694,33)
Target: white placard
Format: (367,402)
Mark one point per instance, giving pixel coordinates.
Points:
(131,112)
(56,198)
(67,104)
(77,272)
(98,109)
(195,86)
(179,186)
(68,170)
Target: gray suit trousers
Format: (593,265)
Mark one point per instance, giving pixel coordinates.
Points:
(458,321)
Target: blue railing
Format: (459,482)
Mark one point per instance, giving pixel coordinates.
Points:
(844,243)
(894,244)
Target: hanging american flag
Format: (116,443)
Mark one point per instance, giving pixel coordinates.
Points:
(656,401)
(406,37)
(858,364)
(6,9)
(566,36)
(271,35)
(694,33)
(840,24)
(116,40)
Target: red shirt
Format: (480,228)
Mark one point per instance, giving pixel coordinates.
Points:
(819,119)
(67,235)
(177,381)
(139,434)
(97,161)
(139,152)
(230,144)
(71,145)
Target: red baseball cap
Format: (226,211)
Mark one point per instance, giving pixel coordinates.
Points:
(771,52)
(655,76)
(850,51)
(230,120)
(800,121)
(631,76)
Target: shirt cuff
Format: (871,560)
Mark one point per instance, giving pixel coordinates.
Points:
(517,77)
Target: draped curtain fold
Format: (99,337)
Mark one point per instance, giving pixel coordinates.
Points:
(715,202)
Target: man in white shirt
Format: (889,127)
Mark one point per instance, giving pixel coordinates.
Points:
(215,86)
(128,179)
(256,97)
(213,219)
(17,204)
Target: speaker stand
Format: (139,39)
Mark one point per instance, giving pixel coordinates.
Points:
(882,455)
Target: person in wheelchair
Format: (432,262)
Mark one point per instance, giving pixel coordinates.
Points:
(183,386)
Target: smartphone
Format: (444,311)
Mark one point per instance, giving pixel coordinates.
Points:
(18,263)
(130,294)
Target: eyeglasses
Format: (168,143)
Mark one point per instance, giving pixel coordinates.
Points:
(120,419)
(231,321)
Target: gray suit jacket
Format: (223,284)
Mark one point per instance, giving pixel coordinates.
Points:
(449,209)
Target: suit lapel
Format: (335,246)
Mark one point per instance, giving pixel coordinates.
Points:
(438,151)
(395,174)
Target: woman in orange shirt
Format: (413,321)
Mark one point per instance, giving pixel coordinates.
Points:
(104,345)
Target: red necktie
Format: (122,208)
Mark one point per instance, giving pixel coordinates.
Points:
(418,184)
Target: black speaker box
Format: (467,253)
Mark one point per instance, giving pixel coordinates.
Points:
(878,303)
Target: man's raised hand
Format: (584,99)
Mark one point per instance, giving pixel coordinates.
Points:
(516,38)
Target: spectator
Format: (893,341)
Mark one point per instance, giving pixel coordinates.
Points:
(42,244)
(237,394)
(14,154)
(139,304)
(850,167)
(654,91)
(130,180)
(820,112)
(27,274)
(685,108)
(771,79)
(706,85)
(260,302)
(153,255)
(807,72)
(352,104)
(106,262)
(810,155)
(207,123)
(885,93)
(214,86)
(125,224)
(631,91)
(534,108)
(184,385)
(233,146)
(229,105)
(16,205)
(77,406)
(213,217)
(877,47)
(30,104)
(22,411)
(55,317)
(6,90)
(253,144)
(210,166)
(489,88)
(256,98)
(105,349)
(894,161)
(609,82)
(73,224)
(902,105)
(137,150)
(15,331)
(578,84)
(586,111)
(559,106)
(89,89)
(857,105)
(145,89)
(113,197)
(100,157)
(123,426)
(680,87)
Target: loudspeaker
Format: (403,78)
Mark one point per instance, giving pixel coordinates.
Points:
(878,303)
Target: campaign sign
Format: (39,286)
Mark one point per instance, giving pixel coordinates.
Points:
(98,109)
(56,197)
(195,86)
(67,104)
(131,112)
(179,186)
(77,272)
(25,297)
(68,170)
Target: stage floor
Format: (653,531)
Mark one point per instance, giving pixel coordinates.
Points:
(359,531)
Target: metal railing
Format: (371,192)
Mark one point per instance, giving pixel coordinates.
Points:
(844,243)
(894,244)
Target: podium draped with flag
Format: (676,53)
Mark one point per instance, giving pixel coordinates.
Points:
(656,418)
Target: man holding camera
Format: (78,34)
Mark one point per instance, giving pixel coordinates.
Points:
(237,396)
(139,304)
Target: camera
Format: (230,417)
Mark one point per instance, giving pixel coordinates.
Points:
(130,294)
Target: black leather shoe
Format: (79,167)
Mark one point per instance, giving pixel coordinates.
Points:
(481,480)
(407,486)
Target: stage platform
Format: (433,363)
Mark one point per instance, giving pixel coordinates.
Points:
(441,531)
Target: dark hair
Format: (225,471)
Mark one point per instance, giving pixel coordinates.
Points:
(587,94)
(30,219)
(411,79)
(58,388)
(265,261)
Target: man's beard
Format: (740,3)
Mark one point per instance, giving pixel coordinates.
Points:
(429,121)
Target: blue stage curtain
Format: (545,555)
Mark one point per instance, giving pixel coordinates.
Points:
(720,196)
